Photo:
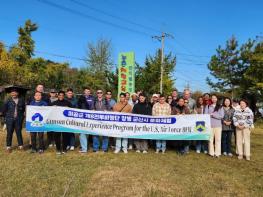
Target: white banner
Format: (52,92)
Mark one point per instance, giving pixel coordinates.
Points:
(115,124)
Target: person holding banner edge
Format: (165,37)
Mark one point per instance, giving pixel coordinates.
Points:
(37,102)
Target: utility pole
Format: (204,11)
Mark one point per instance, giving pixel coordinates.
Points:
(161,39)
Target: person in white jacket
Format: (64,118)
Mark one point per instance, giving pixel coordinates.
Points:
(243,120)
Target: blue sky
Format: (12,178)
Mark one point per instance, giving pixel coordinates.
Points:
(198,28)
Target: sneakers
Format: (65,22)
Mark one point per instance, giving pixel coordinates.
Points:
(72,148)
(58,153)
(240,157)
(125,151)
(68,147)
(50,145)
(157,151)
(144,152)
(205,152)
(138,151)
(116,151)
(198,151)
(41,151)
(224,153)
(20,147)
(8,149)
(247,158)
(230,154)
(82,151)
(163,151)
(130,147)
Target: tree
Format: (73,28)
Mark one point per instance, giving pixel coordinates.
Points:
(255,71)
(24,49)
(25,40)
(229,65)
(100,63)
(148,77)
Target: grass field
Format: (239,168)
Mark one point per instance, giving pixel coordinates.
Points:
(24,174)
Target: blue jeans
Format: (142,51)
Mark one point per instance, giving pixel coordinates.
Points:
(121,143)
(96,143)
(226,141)
(11,126)
(83,141)
(201,145)
(161,145)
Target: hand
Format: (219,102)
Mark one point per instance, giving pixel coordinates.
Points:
(241,127)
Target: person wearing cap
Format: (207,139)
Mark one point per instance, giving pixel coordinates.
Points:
(134,99)
(50,134)
(52,96)
(13,112)
(154,99)
(110,102)
(100,106)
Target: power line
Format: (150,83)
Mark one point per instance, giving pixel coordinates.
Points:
(113,16)
(72,11)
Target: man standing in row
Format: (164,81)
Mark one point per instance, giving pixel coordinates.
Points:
(124,107)
(100,106)
(13,112)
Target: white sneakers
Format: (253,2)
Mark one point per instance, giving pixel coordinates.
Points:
(117,151)
(72,148)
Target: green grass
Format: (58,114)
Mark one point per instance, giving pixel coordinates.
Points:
(24,174)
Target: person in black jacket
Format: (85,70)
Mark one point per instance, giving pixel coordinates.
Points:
(144,108)
(13,112)
(63,103)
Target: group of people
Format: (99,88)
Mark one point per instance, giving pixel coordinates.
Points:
(227,117)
